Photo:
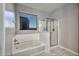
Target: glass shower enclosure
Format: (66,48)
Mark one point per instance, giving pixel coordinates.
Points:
(51,26)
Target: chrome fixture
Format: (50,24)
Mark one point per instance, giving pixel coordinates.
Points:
(16,42)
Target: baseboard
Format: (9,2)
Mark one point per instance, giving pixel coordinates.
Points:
(54,47)
(68,50)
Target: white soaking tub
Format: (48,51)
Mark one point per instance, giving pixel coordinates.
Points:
(27,48)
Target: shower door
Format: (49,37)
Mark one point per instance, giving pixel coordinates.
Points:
(53,29)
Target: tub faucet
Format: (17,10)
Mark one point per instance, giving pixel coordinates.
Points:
(16,42)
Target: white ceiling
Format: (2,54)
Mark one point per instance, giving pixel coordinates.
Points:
(46,7)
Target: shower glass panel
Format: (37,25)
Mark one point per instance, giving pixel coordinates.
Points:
(47,25)
(44,25)
(51,26)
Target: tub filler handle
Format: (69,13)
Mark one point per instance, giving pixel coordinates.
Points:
(16,42)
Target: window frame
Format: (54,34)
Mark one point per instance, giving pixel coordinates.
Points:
(18,31)
(29,15)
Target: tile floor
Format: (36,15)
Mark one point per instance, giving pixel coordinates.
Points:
(57,51)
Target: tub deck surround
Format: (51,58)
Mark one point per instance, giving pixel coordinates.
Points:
(26,37)
(30,51)
(28,45)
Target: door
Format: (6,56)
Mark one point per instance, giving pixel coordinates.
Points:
(53,33)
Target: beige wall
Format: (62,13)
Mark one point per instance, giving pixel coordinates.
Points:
(1,29)
(10,7)
(68,26)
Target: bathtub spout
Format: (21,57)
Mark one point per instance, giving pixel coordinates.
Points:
(15,42)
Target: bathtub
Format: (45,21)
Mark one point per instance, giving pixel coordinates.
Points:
(27,47)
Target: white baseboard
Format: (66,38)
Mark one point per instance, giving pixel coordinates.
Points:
(68,50)
(54,47)
(65,49)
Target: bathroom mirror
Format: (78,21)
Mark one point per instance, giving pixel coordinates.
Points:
(27,21)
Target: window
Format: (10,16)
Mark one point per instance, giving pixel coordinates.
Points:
(9,19)
(28,21)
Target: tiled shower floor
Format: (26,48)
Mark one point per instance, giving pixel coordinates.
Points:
(57,51)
